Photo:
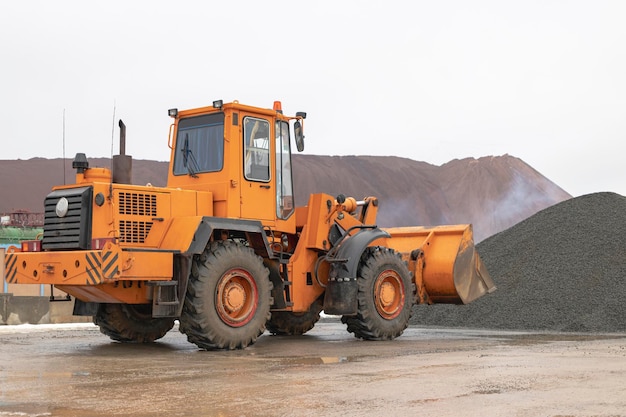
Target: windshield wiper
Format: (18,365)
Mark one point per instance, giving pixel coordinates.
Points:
(189,160)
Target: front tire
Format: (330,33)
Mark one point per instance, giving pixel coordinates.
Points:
(385,296)
(228,298)
(131,323)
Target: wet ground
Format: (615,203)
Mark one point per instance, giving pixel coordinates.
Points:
(73,370)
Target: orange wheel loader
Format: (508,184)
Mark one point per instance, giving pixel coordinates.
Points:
(224,249)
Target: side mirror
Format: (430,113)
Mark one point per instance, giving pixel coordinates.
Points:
(299,135)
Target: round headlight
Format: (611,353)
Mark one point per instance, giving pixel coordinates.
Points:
(99,199)
(62,206)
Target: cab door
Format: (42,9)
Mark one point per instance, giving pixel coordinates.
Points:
(258,192)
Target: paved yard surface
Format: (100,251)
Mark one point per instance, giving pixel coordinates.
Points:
(73,370)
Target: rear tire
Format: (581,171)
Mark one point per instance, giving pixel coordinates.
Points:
(385,296)
(228,298)
(131,323)
(286,323)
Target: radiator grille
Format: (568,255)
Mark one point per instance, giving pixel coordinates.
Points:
(73,230)
(138,204)
(134,231)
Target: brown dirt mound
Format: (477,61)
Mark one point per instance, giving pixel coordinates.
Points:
(493,193)
(563,269)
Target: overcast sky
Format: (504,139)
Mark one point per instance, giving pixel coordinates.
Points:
(433,81)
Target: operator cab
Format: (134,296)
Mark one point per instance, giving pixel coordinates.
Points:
(242,155)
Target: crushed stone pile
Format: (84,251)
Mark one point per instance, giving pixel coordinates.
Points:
(562,269)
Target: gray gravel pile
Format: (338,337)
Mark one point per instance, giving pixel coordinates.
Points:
(563,269)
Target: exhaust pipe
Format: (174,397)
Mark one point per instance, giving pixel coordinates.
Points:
(122,163)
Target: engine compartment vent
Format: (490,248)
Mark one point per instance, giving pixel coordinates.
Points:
(137,204)
(134,231)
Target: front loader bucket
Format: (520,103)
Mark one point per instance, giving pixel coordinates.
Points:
(446,266)
(471,278)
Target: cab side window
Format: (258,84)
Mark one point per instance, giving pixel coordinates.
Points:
(256,149)
(284,182)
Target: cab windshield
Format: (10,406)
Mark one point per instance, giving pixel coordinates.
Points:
(199,145)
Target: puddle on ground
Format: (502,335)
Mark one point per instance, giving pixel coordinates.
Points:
(318,360)
(543,338)
(23,409)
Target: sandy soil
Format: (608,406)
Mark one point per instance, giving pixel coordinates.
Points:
(73,370)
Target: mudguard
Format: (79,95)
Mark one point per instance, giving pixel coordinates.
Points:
(341,292)
(253,229)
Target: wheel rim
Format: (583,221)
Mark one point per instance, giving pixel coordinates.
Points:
(389,294)
(236,297)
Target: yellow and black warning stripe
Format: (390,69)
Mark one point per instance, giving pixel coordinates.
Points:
(94,275)
(109,260)
(11,268)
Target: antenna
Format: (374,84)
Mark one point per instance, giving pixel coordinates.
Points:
(112,130)
(64,182)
